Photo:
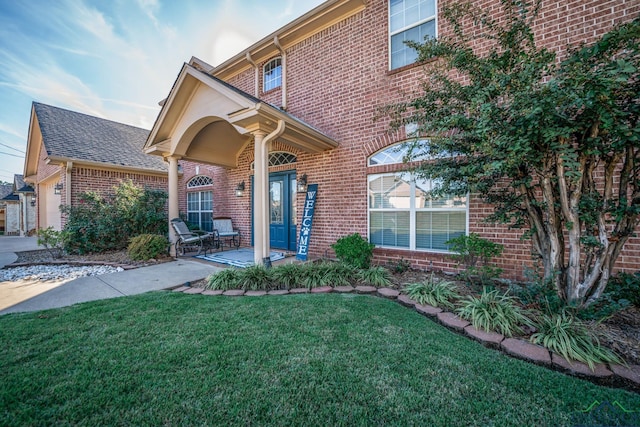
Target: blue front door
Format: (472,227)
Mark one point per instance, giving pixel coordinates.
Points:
(282,210)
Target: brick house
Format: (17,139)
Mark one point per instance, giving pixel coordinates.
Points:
(300,104)
(17,208)
(69,153)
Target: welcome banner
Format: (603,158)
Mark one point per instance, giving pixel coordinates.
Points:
(307,221)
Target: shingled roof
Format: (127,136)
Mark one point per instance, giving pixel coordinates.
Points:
(6,192)
(68,135)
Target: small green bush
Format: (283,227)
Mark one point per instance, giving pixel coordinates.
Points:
(492,311)
(337,273)
(625,286)
(256,278)
(287,276)
(475,253)
(52,240)
(314,275)
(224,280)
(399,266)
(375,276)
(433,293)
(354,250)
(147,246)
(566,335)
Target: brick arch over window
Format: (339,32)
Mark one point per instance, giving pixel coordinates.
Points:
(383,141)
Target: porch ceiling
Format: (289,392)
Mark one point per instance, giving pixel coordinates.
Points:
(209,121)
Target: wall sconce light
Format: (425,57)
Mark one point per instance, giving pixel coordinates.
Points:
(302,184)
(58,188)
(240,189)
(33,199)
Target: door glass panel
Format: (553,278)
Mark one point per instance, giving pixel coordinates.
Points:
(275,193)
(292,200)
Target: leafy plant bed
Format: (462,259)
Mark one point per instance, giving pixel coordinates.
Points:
(113,257)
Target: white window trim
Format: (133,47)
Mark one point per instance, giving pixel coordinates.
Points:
(200,212)
(264,74)
(390,34)
(412,217)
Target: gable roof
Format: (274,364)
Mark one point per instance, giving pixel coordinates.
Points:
(6,192)
(207,120)
(19,186)
(72,136)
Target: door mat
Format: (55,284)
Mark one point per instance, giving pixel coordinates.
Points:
(242,257)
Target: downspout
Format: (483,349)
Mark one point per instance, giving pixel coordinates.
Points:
(67,186)
(283,54)
(67,189)
(257,74)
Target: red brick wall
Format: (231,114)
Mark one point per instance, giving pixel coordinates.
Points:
(338,78)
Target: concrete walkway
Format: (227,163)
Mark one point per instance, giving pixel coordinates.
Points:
(9,245)
(25,295)
(112,285)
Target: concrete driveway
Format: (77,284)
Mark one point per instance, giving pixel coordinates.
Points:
(9,245)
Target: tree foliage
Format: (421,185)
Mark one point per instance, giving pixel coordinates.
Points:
(552,144)
(102,223)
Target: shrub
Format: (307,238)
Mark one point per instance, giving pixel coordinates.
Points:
(492,311)
(431,292)
(102,223)
(399,266)
(224,280)
(337,273)
(287,276)
(475,253)
(52,240)
(566,335)
(375,276)
(255,278)
(147,246)
(354,250)
(314,275)
(625,286)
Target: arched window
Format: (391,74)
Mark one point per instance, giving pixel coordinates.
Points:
(272,74)
(402,214)
(397,153)
(200,203)
(279,158)
(199,181)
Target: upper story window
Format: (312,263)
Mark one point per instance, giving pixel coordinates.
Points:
(409,20)
(272,73)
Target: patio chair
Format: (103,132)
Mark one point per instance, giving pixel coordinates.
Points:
(226,232)
(188,240)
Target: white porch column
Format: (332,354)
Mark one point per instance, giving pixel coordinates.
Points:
(174,209)
(260,198)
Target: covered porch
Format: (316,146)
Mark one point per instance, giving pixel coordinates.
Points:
(207,121)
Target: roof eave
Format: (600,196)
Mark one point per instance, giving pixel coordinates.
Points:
(312,22)
(104,165)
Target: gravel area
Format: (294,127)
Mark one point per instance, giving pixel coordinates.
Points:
(55,272)
(44,265)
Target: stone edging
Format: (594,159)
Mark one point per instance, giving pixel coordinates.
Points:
(604,374)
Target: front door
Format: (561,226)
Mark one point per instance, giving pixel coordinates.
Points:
(282,210)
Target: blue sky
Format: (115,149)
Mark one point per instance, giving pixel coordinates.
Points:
(115,58)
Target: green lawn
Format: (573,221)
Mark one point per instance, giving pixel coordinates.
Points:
(173,359)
